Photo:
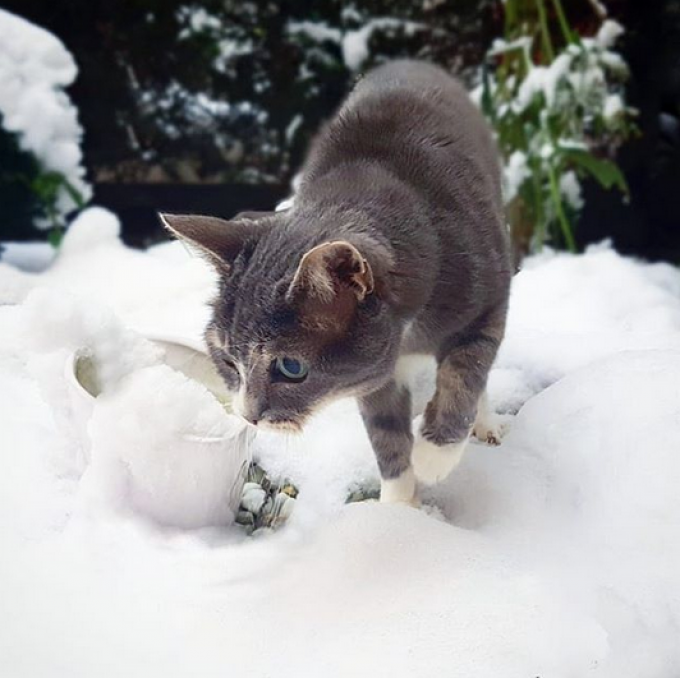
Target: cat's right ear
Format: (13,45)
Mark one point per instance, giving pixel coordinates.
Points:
(220,240)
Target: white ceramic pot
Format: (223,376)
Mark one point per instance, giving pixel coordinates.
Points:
(208,456)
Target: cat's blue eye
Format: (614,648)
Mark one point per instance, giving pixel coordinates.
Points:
(291,369)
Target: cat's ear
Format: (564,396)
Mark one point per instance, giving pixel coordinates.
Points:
(330,281)
(332,270)
(219,239)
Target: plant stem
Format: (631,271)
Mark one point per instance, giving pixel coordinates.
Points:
(545,33)
(55,236)
(510,14)
(539,225)
(561,216)
(566,31)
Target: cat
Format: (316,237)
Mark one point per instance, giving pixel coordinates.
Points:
(395,246)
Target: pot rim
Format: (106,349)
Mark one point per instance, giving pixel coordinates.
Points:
(86,397)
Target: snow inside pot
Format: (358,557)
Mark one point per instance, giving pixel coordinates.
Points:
(162,441)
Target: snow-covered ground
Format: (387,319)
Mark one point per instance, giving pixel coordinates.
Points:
(555,555)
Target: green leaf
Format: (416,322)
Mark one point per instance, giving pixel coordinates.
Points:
(605,172)
(46,186)
(55,236)
(74,194)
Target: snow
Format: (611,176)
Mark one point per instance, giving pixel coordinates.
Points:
(117,276)
(317,31)
(293,127)
(34,68)
(609,33)
(614,62)
(572,144)
(157,449)
(555,554)
(613,105)
(515,173)
(27,256)
(198,20)
(501,46)
(599,7)
(545,80)
(570,188)
(253,497)
(355,44)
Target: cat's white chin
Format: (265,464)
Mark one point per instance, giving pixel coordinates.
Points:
(433,463)
(285,425)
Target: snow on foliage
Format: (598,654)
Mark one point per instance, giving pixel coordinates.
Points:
(289,62)
(317,31)
(555,554)
(514,174)
(35,67)
(609,33)
(560,107)
(355,43)
(570,188)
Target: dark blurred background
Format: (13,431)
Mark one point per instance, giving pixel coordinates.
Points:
(182,115)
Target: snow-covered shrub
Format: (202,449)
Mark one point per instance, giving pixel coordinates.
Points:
(555,99)
(269,77)
(40,159)
(232,90)
(297,61)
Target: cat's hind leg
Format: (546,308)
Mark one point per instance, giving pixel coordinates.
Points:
(387,417)
(488,427)
(463,364)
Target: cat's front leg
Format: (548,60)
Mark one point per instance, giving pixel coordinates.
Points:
(433,462)
(442,435)
(387,417)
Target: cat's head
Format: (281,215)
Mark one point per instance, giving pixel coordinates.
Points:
(297,322)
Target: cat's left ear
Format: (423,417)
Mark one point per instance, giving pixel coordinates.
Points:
(329,283)
(219,239)
(331,271)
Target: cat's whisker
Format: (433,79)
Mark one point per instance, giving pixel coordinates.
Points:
(253,363)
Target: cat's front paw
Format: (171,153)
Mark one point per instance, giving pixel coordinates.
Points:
(400,490)
(432,463)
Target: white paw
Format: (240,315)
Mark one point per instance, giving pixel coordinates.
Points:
(491,429)
(400,490)
(489,432)
(432,463)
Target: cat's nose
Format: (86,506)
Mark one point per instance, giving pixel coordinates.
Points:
(254,414)
(248,408)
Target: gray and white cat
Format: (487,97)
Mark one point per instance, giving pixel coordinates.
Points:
(395,246)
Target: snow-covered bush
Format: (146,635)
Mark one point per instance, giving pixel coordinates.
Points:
(232,90)
(555,99)
(297,61)
(40,159)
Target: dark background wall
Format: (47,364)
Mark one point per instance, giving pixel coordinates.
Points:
(151,143)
